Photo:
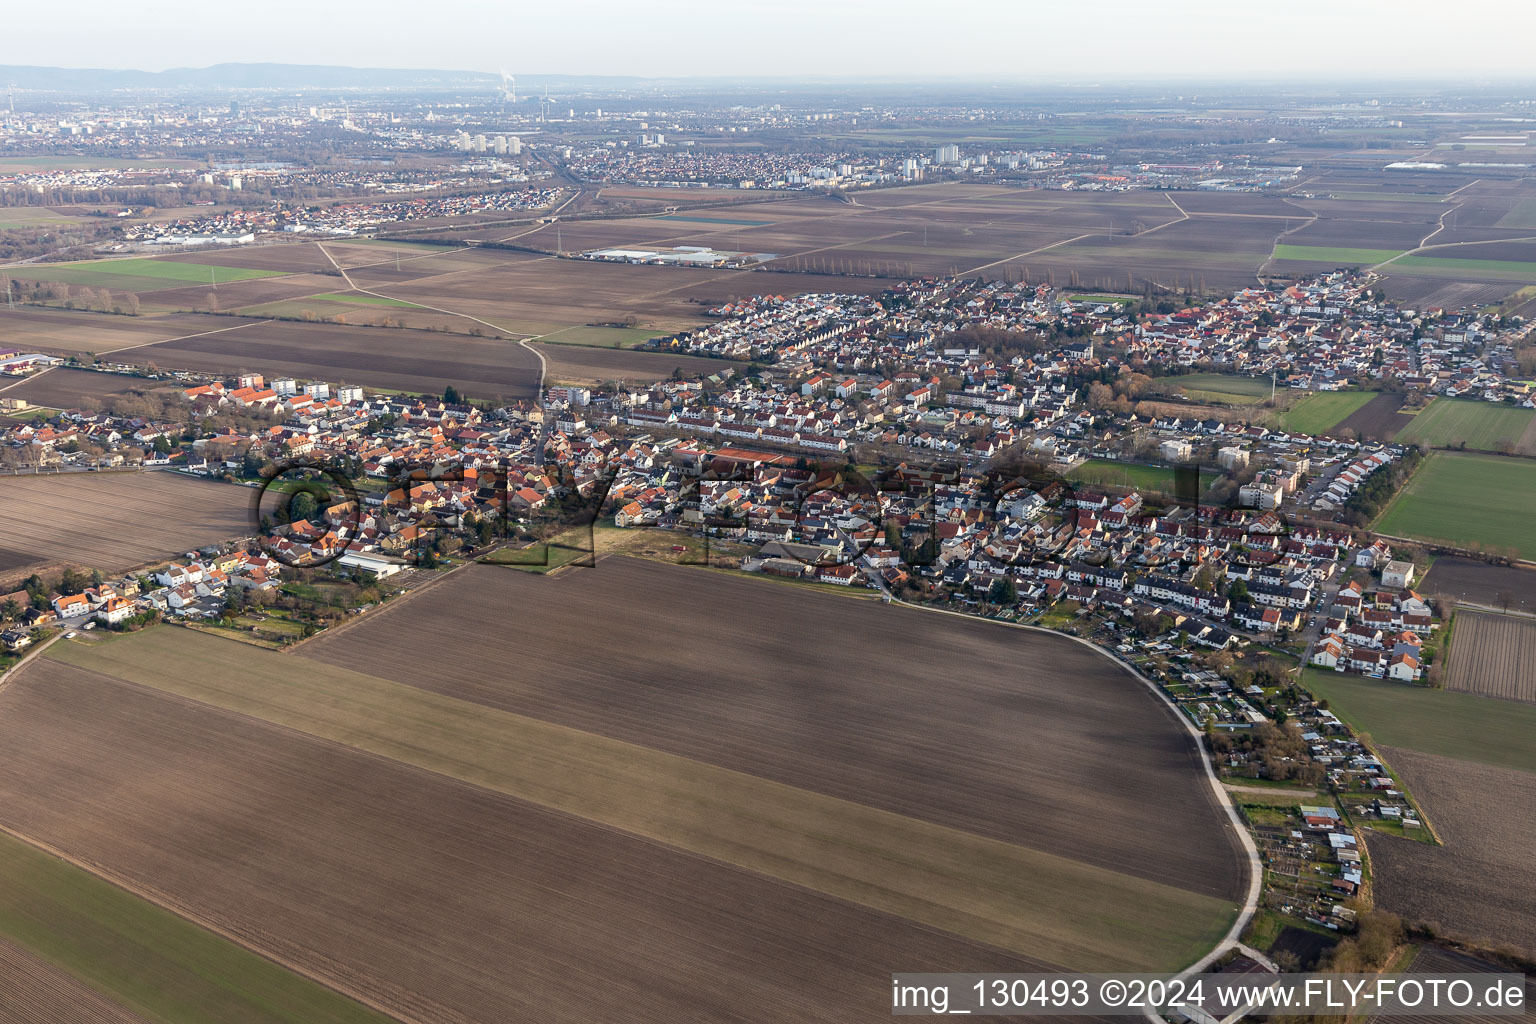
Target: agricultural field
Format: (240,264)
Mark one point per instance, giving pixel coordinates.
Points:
(1439,960)
(1440,500)
(137,273)
(63,387)
(418,362)
(1477,886)
(29,216)
(1470,580)
(1339,256)
(341,874)
(77,947)
(1438,722)
(1485,426)
(579,364)
(690,690)
(1380,418)
(1321,412)
(599,337)
(82,518)
(1493,655)
(570,839)
(75,332)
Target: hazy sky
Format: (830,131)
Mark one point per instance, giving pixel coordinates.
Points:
(1081,40)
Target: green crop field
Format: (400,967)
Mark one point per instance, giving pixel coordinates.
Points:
(141,273)
(1320,412)
(1465,500)
(148,960)
(716,220)
(1460,725)
(1470,267)
(1339,256)
(1482,425)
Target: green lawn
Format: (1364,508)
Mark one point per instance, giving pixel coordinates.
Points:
(1320,412)
(1157,479)
(145,273)
(1484,425)
(1468,499)
(1114,300)
(363,300)
(1339,256)
(1460,725)
(148,960)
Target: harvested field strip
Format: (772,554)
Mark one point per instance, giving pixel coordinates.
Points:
(1494,655)
(145,958)
(1331,254)
(1028,901)
(1320,412)
(1459,725)
(1466,500)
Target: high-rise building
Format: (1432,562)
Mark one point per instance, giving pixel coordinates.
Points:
(947,155)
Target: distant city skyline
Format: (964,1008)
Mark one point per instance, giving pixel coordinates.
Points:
(843,39)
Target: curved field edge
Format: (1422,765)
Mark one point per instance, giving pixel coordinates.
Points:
(1028,901)
(159,966)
